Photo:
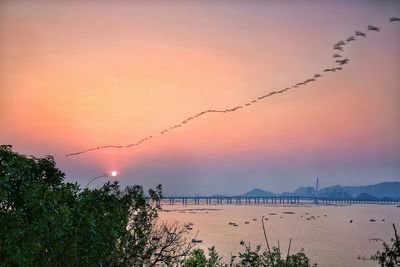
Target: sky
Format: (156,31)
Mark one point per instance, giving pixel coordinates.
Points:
(76,75)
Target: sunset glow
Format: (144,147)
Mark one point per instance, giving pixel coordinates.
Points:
(79,75)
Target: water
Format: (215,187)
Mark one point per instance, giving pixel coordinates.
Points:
(329,240)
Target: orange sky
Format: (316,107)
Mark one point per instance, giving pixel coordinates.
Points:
(75,76)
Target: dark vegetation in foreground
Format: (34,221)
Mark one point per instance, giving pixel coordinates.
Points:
(45,221)
(48,222)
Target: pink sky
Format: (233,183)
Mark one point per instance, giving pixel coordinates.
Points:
(75,76)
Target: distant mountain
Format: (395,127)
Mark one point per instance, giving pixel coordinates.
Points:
(304,192)
(258,193)
(336,191)
(381,190)
(389,190)
(365,196)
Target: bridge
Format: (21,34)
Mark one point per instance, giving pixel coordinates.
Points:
(240,200)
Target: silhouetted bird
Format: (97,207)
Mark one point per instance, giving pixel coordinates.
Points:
(343,61)
(337,47)
(351,38)
(359,33)
(317,75)
(341,42)
(336,55)
(373,28)
(392,19)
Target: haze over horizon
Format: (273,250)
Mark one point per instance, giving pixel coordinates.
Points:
(79,75)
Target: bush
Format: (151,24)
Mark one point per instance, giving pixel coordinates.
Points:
(271,257)
(249,257)
(197,258)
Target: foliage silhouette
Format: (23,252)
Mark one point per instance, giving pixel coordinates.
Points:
(248,257)
(48,222)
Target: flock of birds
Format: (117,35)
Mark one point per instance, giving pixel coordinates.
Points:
(339,60)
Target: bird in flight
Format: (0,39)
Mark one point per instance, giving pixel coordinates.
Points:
(309,80)
(360,33)
(337,47)
(392,19)
(326,70)
(343,61)
(336,55)
(373,28)
(341,42)
(351,38)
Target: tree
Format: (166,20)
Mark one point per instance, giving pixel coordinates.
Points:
(48,222)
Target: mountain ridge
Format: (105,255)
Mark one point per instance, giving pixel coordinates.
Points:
(379,190)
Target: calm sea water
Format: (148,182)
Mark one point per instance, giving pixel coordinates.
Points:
(329,239)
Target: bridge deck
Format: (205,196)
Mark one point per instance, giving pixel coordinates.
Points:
(271,200)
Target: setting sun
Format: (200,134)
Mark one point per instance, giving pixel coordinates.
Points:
(114,173)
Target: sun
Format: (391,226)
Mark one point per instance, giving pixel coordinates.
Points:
(114,173)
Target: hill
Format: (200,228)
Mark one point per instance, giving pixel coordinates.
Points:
(381,190)
(256,192)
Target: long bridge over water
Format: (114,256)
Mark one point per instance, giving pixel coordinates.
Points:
(240,200)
